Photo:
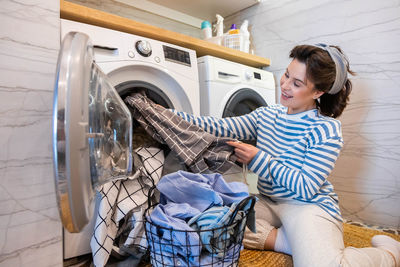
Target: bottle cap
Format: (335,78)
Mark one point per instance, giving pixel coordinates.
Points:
(205,24)
(233,26)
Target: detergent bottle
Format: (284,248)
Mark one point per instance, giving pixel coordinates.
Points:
(233,29)
(206,29)
(246,36)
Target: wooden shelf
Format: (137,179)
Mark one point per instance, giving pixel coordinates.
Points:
(96,17)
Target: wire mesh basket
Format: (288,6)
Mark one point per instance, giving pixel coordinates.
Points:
(219,246)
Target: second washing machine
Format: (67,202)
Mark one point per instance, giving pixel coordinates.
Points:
(230,89)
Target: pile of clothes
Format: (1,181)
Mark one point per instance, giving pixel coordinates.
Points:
(119,228)
(199,221)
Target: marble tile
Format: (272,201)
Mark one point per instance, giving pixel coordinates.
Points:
(367,173)
(39,255)
(30,229)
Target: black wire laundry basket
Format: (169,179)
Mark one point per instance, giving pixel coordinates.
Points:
(218,246)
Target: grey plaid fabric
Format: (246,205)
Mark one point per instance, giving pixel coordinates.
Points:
(119,198)
(202,152)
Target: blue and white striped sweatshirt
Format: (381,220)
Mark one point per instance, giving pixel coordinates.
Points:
(297,152)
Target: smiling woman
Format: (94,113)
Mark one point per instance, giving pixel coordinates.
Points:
(319,80)
(297,145)
(298,92)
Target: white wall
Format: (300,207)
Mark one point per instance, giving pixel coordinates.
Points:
(367,174)
(30,230)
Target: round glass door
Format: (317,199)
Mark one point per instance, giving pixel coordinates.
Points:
(92,132)
(243,102)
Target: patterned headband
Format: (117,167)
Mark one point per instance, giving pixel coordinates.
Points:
(341,67)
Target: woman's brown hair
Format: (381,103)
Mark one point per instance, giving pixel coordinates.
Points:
(321,71)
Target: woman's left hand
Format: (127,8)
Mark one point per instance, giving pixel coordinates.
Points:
(244,152)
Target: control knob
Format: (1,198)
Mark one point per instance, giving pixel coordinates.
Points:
(248,75)
(143,48)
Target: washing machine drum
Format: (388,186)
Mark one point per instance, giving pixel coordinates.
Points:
(152,92)
(243,102)
(139,135)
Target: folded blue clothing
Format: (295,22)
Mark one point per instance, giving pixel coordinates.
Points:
(201,191)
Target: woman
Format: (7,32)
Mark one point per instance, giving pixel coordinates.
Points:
(298,143)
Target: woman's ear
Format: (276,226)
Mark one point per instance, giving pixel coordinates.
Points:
(317,94)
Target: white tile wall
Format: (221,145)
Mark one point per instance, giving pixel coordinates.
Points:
(367,174)
(30,230)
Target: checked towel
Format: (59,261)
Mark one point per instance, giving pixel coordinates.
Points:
(202,152)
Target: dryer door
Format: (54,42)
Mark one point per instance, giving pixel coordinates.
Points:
(243,102)
(91,131)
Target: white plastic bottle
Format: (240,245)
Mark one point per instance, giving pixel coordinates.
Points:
(246,36)
(219,28)
(220,25)
(206,29)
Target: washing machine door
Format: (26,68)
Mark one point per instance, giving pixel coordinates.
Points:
(243,102)
(91,132)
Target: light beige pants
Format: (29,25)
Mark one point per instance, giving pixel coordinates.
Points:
(316,239)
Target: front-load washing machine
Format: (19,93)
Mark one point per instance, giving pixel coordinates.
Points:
(168,73)
(230,89)
(96,69)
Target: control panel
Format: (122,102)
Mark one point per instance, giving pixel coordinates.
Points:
(176,55)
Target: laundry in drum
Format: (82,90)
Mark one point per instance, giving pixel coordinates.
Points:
(200,150)
(140,138)
(112,146)
(107,133)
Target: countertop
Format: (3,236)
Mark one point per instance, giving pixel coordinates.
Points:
(96,17)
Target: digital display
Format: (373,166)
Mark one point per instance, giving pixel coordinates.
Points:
(257,75)
(176,55)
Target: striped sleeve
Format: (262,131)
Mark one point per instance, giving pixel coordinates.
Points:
(241,127)
(302,183)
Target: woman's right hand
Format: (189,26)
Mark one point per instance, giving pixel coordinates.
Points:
(244,152)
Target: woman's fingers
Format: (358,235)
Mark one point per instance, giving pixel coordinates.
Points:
(241,147)
(244,152)
(240,153)
(240,160)
(234,143)
(238,144)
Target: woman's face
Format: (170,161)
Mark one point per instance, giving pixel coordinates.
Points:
(297,92)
